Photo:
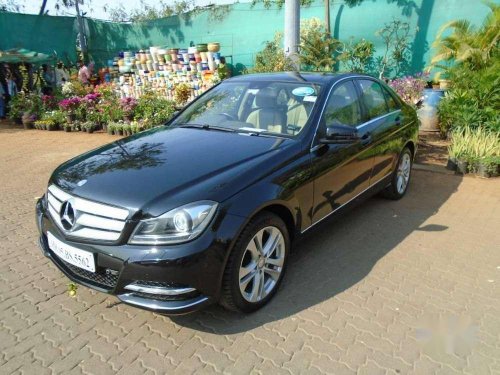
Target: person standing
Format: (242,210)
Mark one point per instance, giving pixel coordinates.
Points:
(83,73)
(48,80)
(2,101)
(62,75)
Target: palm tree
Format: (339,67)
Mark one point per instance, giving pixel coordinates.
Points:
(466,44)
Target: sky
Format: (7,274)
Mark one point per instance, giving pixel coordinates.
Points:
(95,8)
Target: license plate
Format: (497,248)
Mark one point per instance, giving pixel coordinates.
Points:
(70,254)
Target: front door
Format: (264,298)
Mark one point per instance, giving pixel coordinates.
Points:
(341,171)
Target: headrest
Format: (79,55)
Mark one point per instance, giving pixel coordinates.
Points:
(339,101)
(266,98)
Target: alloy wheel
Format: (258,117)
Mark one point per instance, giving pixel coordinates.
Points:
(262,264)
(403,174)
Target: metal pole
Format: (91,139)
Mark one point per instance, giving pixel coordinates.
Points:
(292,31)
(327,17)
(81,35)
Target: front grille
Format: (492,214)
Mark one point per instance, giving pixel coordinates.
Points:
(98,279)
(158,297)
(92,220)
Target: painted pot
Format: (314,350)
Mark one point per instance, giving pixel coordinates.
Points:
(214,47)
(192,50)
(202,47)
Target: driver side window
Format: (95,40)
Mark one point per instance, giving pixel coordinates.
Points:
(343,106)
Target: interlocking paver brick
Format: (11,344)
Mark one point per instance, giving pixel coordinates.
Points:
(363,294)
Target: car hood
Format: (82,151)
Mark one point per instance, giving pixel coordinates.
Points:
(166,167)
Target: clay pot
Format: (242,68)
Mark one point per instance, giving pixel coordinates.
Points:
(213,47)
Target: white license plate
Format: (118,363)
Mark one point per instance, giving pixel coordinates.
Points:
(70,254)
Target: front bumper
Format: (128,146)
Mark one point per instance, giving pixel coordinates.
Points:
(194,268)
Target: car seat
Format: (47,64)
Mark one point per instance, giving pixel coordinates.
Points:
(267,115)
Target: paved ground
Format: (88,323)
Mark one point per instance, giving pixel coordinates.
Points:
(393,287)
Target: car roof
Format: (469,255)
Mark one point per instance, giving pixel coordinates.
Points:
(297,77)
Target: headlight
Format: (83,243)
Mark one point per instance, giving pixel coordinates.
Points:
(180,225)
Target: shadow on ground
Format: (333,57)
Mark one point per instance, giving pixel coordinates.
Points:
(337,254)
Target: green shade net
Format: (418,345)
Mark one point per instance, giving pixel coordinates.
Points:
(24,56)
(44,34)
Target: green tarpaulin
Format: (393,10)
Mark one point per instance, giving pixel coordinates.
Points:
(23,55)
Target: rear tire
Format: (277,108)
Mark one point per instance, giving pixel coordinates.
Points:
(401,176)
(256,265)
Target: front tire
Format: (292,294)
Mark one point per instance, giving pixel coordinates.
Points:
(401,176)
(256,265)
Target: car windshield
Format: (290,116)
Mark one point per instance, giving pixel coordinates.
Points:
(260,107)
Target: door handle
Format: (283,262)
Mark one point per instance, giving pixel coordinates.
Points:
(366,139)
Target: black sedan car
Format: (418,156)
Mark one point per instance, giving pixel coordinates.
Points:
(206,208)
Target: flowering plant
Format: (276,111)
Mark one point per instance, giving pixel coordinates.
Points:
(67,88)
(49,102)
(128,105)
(70,104)
(105,90)
(409,88)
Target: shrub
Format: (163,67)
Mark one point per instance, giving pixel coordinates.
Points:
(358,56)
(473,99)
(317,47)
(153,110)
(474,144)
(272,58)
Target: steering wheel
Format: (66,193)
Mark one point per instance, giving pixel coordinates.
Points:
(228,116)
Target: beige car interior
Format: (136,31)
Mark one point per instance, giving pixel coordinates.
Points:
(268,115)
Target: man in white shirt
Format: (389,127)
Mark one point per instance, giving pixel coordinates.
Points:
(62,75)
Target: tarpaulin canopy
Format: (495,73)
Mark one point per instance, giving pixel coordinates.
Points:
(20,55)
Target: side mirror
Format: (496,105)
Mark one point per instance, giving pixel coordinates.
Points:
(340,134)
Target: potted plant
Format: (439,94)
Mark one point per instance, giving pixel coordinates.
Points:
(118,129)
(67,127)
(128,106)
(89,127)
(462,165)
(110,128)
(51,125)
(28,119)
(489,167)
(126,129)
(69,106)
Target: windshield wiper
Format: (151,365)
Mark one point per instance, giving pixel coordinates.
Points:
(259,132)
(207,127)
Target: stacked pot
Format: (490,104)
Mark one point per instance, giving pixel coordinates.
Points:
(162,69)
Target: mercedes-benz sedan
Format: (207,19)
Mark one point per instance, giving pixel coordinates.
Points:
(206,208)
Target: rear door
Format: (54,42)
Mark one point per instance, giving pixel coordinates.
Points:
(381,120)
